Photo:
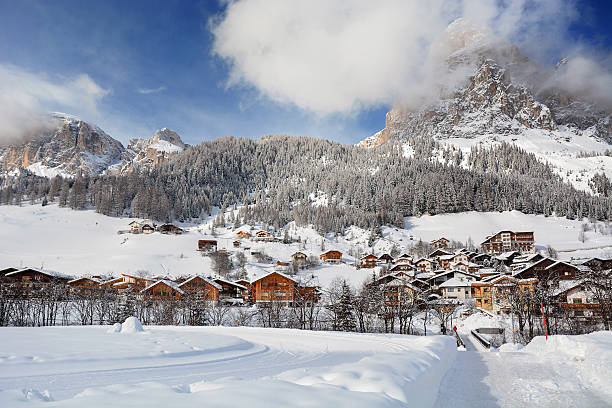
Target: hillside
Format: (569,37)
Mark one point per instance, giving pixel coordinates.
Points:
(85,243)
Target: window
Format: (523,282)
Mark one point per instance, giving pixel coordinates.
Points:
(577,300)
(450,289)
(486,301)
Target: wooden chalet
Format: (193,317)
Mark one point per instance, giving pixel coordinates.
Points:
(461,257)
(402,267)
(492,293)
(440,243)
(439,252)
(31,277)
(575,300)
(162,290)
(110,283)
(385,259)
(170,229)
(207,245)
(201,287)
(424,265)
(229,290)
(445,275)
(243,235)
(142,227)
(246,294)
(404,259)
(131,281)
(84,283)
(399,291)
(4,271)
(505,241)
(299,259)
(263,236)
(274,286)
(598,264)
(548,269)
(481,259)
(445,261)
(332,256)
(368,261)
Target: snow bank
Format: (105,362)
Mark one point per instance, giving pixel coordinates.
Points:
(115,328)
(131,325)
(510,347)
(592,353)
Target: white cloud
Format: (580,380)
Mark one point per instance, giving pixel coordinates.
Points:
(26,98)
(342,56)
(146,91)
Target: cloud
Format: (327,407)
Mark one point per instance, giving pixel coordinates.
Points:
(146,91)
(26,98)
(329,57)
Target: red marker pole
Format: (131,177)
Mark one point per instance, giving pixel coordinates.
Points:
(544,321)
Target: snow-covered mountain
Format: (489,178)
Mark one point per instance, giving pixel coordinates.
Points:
(507,98)
(72,145)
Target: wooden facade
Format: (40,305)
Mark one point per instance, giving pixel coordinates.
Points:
(162,290)
(369,261)
(274,286)
(332,256)
(207,245)
(440,243)
(505,241)
(202,287)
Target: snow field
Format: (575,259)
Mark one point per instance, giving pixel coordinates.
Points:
(86,243)
(86,366)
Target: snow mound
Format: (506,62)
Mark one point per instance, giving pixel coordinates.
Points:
(131,325)
(115,328)
(510,347)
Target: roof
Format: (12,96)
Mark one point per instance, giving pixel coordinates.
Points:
(230,283)
(446,257)
(369,256)
(455,282)
(52,274)
(273,272)
(99,281)
(215,284)
(566,285)
(169,283)
(454,271)
(560,263)
(400,282)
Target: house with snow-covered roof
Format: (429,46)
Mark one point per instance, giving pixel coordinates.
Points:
(456,288)
(162,290)
(201,287)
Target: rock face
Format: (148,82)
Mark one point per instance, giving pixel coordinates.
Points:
(152,151)
(504,96)
(74,146)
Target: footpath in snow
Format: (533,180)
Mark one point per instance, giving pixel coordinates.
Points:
(565,371)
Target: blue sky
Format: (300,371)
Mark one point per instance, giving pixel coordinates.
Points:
(154,60)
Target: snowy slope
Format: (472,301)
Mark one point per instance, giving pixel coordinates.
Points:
(84,242)
(218,367)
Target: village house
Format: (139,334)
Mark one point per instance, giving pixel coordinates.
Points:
(457,288)
(31,277)
(424,265)
(404,259)
(132,282)
(142,227)
(162,290)
(299,259)
(246,295)
(207,245)
(170,229)
(505,241)
(445,261)
(263,236)
(461,257)
(331,257)
(4,271)
(440,243)
(402,267)
(368,261)
(575,300)
(84,284)
(444,275)
(385,259)
(205,288)
(273,286)
(230,292)
(492,293)
(399,291)
(438,252)
(243,235)
(597,264)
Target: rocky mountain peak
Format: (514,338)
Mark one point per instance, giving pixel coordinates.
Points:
(169,136)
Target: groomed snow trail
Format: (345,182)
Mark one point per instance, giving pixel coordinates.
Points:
(480,378)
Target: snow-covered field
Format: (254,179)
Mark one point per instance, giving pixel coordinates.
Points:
(218,367)
(84,242)
(92,366)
